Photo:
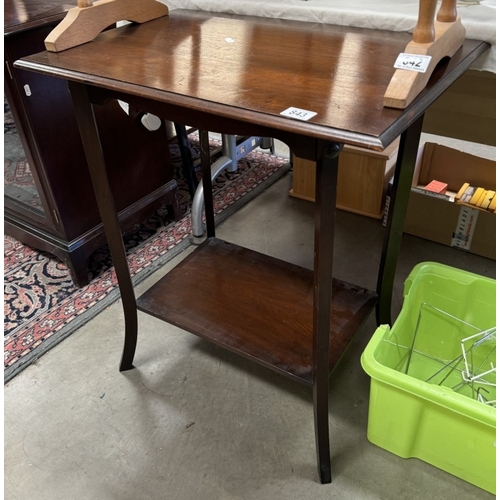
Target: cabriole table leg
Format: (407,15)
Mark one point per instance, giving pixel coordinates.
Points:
(326,190)
(403,176)
(95,160)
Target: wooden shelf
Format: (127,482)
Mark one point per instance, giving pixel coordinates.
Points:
(255,305)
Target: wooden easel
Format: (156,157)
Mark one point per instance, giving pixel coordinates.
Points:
(84,22)
(438,39)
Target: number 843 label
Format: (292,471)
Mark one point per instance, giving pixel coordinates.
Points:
(298,114)
(413,62)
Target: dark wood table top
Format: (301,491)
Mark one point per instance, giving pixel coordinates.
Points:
(20,15)
(253,68)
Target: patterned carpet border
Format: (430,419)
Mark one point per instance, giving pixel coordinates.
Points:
(29,340)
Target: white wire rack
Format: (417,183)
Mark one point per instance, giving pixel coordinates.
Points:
(465,362)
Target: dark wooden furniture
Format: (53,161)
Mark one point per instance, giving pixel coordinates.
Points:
(65,220)
(291,320)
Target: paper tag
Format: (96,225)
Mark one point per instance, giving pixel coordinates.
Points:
(412,62)
(298,114)
(466,223)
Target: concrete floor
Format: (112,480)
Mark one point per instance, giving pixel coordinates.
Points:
(192,421)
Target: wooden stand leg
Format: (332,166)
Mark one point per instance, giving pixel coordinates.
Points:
(105,202)
(448,11)
(326,189)
(424,30)
(403,176)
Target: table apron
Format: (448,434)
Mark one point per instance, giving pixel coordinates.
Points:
(303,145)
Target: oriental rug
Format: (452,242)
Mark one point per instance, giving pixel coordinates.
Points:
(43,306)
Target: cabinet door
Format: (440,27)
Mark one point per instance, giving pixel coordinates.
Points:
(26,190)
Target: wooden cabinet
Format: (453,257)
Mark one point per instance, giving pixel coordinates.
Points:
(53,206)
(362,179)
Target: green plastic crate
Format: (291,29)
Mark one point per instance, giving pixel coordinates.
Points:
(410,414)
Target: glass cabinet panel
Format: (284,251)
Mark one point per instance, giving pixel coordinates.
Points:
(19,184)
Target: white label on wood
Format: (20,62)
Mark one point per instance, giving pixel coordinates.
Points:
(298,114)
(413,62)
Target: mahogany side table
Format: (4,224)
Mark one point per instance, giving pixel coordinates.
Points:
(240,75)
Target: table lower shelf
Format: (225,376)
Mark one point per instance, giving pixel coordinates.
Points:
(255,305)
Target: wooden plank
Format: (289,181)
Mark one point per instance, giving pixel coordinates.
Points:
(254,305)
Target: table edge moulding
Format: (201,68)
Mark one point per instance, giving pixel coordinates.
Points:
(292,320)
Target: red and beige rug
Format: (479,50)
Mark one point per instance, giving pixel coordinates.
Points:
(43,306)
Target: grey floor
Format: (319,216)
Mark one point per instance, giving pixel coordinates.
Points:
(192,421)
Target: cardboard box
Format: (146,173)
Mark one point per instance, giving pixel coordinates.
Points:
(362,179)
(433,217)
